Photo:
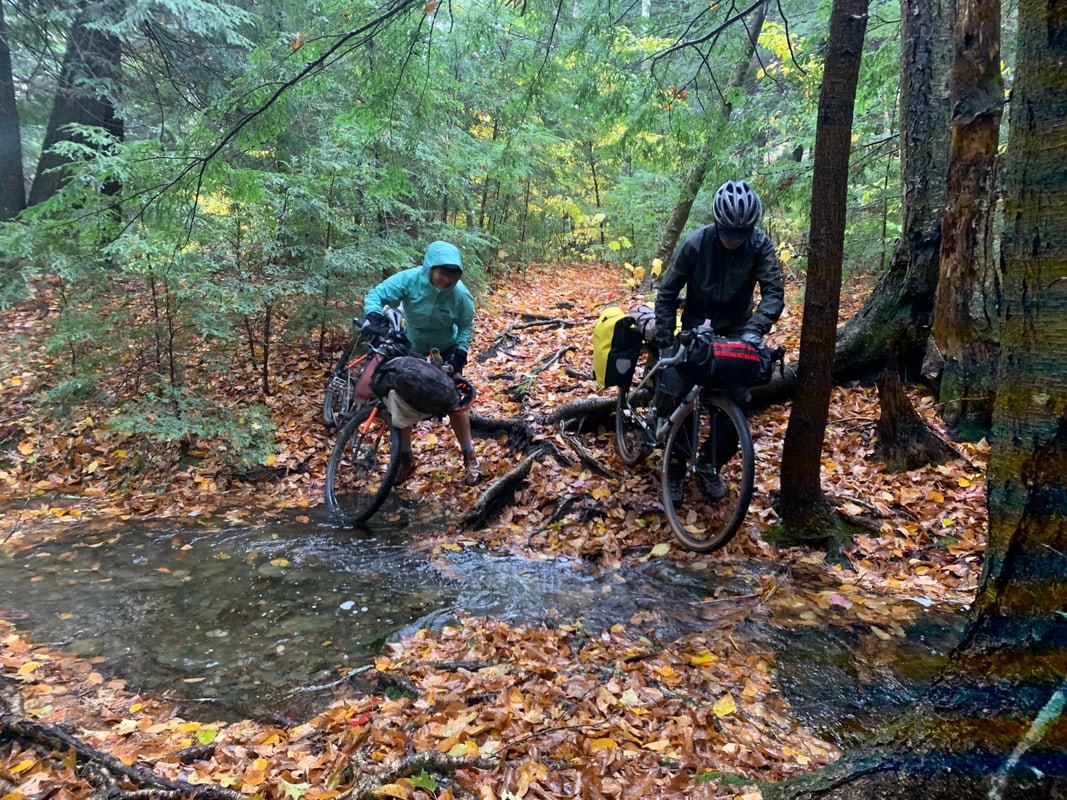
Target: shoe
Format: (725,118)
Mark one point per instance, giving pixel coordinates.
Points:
(405,470)
(470,467)
(711,484)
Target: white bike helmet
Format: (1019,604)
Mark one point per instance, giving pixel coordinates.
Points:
(736,207)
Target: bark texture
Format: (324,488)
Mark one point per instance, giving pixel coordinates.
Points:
(994,726)
(904,440)
(898,315)
(1027,556)
(12,187)
(804,508)
(968,290)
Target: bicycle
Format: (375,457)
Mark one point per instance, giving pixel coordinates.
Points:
(365,458)
(706,488)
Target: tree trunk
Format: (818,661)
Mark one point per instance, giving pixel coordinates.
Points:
(694,180)
(993,726)
(1028,462)
(898,314)
(904,440)
(12,186)
(804,509)
(968,290)
(88,81)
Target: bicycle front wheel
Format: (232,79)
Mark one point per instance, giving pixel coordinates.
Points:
(633,411)
(708,471)
(362,466)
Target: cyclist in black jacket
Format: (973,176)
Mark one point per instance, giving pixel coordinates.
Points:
(719,266)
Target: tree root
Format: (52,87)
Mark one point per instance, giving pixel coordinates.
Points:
(106,771)
(479,512)
(431,761)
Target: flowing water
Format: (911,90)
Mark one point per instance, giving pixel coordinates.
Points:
(239,622)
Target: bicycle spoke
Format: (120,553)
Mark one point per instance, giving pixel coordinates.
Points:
(707,475)
(362,465)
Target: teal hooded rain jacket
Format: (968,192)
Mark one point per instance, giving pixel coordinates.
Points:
(433,318)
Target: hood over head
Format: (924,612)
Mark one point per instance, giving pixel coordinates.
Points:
(442,254)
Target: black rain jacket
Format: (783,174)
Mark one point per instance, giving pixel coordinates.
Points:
(720,285)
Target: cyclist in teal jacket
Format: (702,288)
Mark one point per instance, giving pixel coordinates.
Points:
(438,316)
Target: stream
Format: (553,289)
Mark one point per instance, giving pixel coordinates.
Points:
(233,623)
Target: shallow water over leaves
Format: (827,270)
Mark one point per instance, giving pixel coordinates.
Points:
(262,622)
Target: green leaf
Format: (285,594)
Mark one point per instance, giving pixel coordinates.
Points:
(294,790)
(206,735)
(424,780)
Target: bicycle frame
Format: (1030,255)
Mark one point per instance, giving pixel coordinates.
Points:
(663,424)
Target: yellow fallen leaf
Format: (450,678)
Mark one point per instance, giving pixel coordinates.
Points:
(701,658)
(397,790)
(725,706)
(603,743)
(279,562)
(660,549)
(22,766)
(29,667)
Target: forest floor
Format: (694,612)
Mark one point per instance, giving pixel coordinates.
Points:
(484,708)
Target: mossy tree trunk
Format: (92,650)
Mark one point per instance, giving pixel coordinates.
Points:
(898,315)
(993,726)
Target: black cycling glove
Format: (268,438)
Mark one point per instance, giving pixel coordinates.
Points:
(457,359)
(664,338)
(375,326)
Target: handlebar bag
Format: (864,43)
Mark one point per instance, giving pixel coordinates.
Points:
(725,361)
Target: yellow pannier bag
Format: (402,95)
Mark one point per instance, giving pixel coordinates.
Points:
(617,343)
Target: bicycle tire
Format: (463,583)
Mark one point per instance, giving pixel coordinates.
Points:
(698,521)
(337,399)
(362,465)
(334,400)
(631,407)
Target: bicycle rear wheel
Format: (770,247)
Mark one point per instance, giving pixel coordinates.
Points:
(338,398)
(363,465)
(706,503)
(632,407)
